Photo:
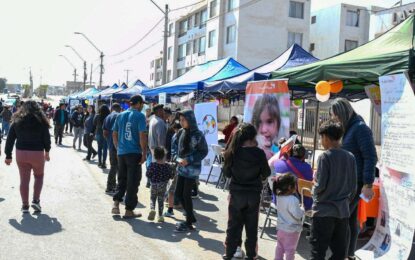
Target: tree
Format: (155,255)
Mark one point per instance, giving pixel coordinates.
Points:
(42,90)
(26,90)
(3,82)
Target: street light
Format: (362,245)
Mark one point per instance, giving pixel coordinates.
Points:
(70,63)
(85,75)
(101,57)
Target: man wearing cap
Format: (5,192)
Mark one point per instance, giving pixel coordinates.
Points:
(157,129)
(130,140)
(60,119)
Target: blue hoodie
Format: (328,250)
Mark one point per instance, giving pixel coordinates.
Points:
(198,148)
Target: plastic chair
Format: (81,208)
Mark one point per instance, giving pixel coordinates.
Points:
(305,188)
(217,162)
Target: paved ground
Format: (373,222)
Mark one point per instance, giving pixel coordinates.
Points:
(76,222)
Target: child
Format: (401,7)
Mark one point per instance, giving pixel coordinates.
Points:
(289,224)
(247,166)
(159,173)
(334,186)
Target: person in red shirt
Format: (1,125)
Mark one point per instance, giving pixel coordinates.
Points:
(229,128)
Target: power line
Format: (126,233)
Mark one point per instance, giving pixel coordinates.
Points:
(140,40)
(191,5)
(138,53)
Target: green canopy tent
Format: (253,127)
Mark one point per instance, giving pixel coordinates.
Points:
(391,53)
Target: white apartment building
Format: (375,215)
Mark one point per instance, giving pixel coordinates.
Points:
(251,31)
(337,29)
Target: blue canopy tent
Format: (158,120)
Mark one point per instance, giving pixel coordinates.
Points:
(89,93)
(106,91)
(194,79)
(294,56)
(138,88)
(111,91)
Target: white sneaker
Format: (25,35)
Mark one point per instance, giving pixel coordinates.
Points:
(239,253)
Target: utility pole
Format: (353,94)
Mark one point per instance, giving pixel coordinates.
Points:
(127,71)
(79,56)
(31,83)
(90,77)
(165,36)
(74,75)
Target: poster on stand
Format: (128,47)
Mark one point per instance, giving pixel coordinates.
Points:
(373,92)
(162,98)
(394,231)
(206,117)
(267,107)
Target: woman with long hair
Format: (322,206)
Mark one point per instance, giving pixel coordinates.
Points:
(89,132)
(30,131)
(98,123)
(247,167)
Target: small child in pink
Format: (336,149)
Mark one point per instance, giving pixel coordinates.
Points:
(290,214)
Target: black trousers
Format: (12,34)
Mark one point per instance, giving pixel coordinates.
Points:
(243,211)
(354,226)
(112,175)
(89,140)
(329,232)
(58,133)
(183,193)
(129,177)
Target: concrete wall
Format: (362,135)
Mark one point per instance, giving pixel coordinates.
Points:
(359,34)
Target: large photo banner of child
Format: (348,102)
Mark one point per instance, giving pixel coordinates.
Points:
(206,117)
(393,236)
(267,107)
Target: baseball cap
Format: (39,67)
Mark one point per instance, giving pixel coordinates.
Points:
(134,100)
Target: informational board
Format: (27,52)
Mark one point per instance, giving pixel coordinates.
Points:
(267,107)
(162,98)
(300,118)
(373,92)
(394,232)
(206,117)
(73,103)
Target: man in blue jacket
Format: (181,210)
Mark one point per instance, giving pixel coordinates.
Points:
(60,119)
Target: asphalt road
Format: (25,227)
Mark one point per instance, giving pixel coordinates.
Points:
(76,222)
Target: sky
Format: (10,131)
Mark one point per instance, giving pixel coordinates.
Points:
(34,33)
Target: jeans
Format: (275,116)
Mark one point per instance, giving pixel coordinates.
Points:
(26,162)
(158,190)
(6,127)
(102,148)
(184,194)
(354,226)
(129,177)
(111,181)
(89,141)
(329,232)
(243,211)
(78,134)
(286,244)
(58,133)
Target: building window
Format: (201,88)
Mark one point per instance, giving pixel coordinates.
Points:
(231,5)
(230,34)
(213,8)
(182,28)
(294,38)
(189,48)
(182,52)
(203,18)
(158,76)
(296,10)
(168,75)
(202,45)
(169,50)
(312,47)
(189,23)
(158,63)
(197,19)
(313,19)
(170,29)
(212,38)
(152,64)
(180,72)
(151,76)
(195,46)
(352,18)
(350,45)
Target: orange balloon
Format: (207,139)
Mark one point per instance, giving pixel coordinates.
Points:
(336,86)
(323,88)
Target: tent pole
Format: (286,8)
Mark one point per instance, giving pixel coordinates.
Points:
(303,121)
(315,132)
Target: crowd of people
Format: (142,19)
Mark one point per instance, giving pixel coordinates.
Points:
(172,147)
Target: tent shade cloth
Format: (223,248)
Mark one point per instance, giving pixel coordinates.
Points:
(106,91)
(294,56)
(390,53)
(138,88)
(89,93)
(109,92)
(194,78)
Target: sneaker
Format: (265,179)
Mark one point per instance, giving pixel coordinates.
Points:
(169,214)
(160,219)
(103,166)
(195,196)
(36,206)
(25,209)
(116,208)
(86,159)
(239,253)
(110,191)
(99,165)
(94,155)
(184,228)
(152,215)
(131,214)
(74,147)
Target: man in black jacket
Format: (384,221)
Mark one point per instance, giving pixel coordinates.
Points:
(60,119)
(77,120)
